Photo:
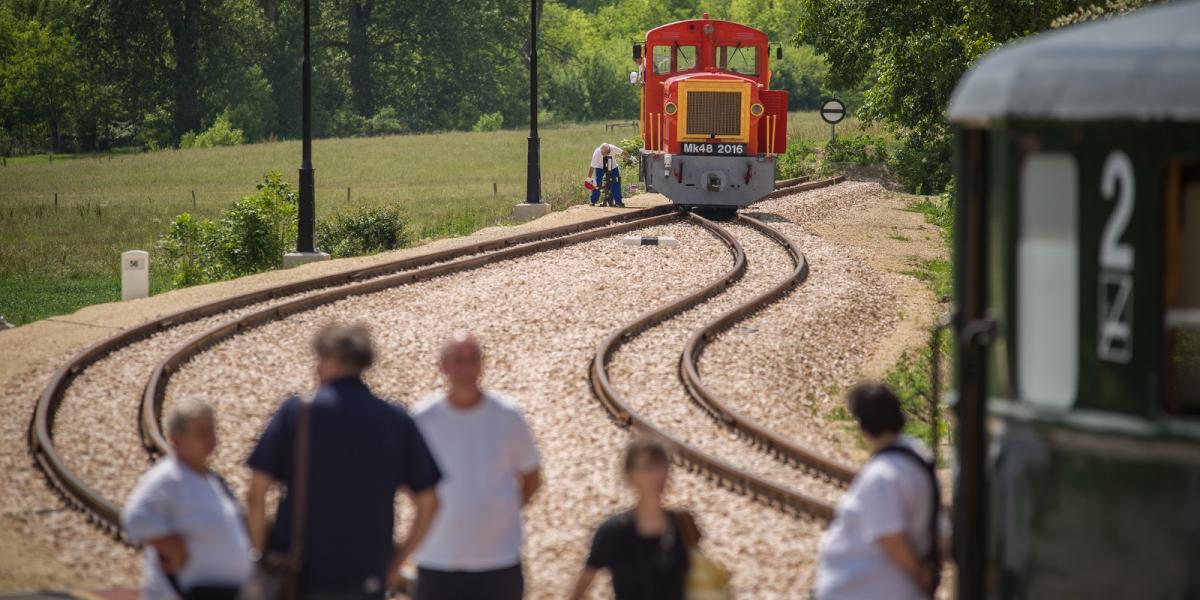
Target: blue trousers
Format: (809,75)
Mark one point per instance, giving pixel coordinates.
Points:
(615,187)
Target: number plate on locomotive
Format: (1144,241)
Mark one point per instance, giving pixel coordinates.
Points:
(714,148)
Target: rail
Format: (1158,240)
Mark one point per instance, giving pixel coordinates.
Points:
(738,479)
(150,423)
(689,367)
(104,513)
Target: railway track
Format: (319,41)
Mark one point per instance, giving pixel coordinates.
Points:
(105,513)
(765,489)
(719,408)
(283,301)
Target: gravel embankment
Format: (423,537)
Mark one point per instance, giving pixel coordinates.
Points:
(807,348)
(108,457)
(114,386)
(35,512)
(541,319)
(645,371)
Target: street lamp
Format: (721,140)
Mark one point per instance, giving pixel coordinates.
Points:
(533,206)
(306,251)
(533,183)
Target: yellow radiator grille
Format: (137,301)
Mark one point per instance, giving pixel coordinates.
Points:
(714,113)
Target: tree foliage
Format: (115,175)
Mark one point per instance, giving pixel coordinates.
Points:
(90,75)
(39,79)
(915,53)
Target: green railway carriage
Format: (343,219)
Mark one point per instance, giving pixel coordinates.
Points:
(1077,259)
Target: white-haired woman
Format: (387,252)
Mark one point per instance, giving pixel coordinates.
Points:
(193,529)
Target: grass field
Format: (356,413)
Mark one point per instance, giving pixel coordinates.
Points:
(55,259)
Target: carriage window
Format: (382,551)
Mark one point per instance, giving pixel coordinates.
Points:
(1048,281)
(671,58)
(1182,293)
(738,59)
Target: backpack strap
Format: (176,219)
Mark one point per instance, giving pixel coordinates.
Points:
(300,472)
(934,557)
(174,581)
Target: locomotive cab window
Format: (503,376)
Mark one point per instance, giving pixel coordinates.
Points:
(742,60)
(1181,318)
(685,58)
(673,58)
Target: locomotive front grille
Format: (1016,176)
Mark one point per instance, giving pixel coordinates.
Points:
(714,113)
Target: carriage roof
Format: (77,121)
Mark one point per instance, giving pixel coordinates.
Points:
(1141,67)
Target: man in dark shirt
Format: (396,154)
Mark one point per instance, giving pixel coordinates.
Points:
(361,450)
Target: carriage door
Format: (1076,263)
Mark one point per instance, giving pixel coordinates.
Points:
(1181,293)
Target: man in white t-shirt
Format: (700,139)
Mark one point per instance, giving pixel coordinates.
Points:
(191,526)
(491,468)
(596,172)
(880,543)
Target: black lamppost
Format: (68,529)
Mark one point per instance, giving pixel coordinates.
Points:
(308,204)
(533,182)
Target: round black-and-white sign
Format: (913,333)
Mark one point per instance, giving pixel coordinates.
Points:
(833,111)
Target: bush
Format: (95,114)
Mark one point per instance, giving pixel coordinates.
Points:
(799,160)
(221,133)
(489,122)
(362,230)
(385,122)
(632,145)
(862,150)
(923,164)
(257,230)
(189,250)
(251,236)
(155,130)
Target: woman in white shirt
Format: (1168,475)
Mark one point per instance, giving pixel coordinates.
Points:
(191,526)
(881,543)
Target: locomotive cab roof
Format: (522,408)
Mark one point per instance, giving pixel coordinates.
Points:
(693,29)
(1140,67)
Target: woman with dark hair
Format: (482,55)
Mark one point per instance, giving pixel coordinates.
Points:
(882,542)
(646,548)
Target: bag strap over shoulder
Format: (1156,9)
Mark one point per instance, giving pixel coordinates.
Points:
(299,493)
(934,556)
(300,477)
(689,532)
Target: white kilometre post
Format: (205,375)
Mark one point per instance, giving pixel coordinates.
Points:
(135,274)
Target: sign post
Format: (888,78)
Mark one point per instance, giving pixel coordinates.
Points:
(832,112)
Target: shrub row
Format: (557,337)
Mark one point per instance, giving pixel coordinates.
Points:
(253,234)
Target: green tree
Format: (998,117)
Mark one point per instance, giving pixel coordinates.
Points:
(915,52)
(189,58)
(39,77)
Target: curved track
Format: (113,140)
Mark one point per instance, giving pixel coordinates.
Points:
(105,513)
(689,367)
(723,471)
(282,301)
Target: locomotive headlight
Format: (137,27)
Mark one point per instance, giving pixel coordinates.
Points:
(756,109)
(670,108)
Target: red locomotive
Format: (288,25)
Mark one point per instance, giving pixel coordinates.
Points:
(711,125)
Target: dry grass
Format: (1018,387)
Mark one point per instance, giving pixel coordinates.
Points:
(56,260)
